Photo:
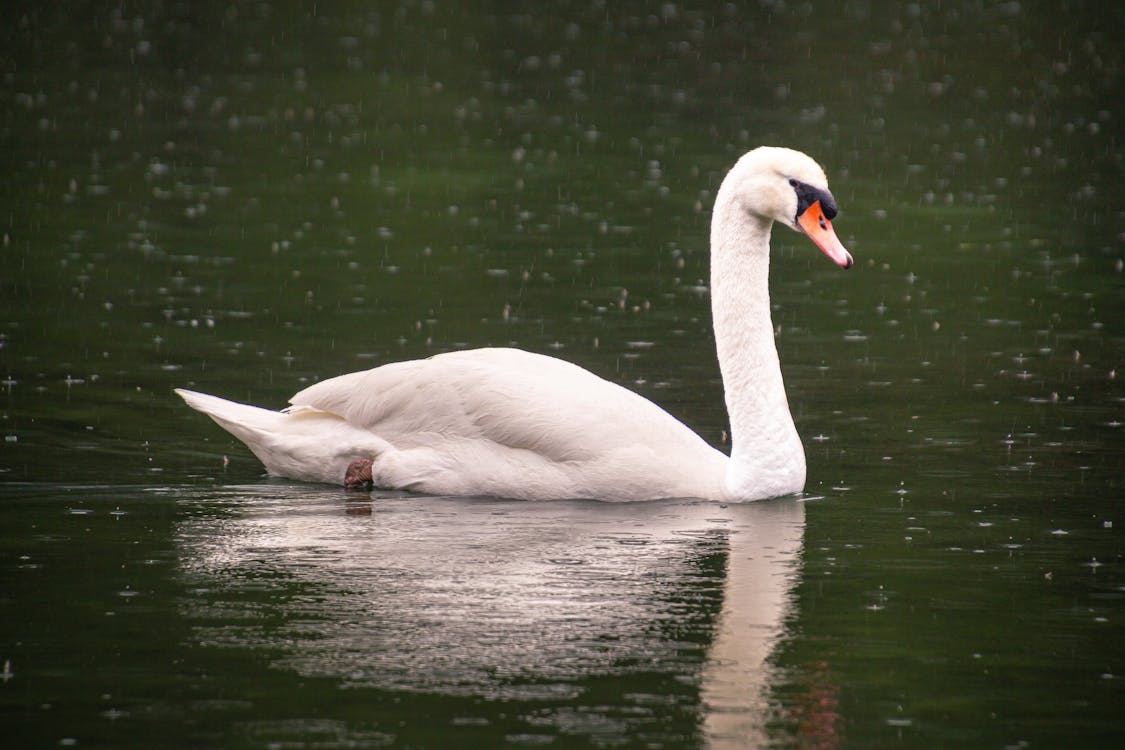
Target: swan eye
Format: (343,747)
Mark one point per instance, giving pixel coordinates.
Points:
(808,195)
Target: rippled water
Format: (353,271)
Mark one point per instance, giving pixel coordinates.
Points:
(247,199)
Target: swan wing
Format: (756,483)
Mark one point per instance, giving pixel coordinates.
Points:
(508,398)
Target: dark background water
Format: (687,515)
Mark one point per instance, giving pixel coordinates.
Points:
(246,198)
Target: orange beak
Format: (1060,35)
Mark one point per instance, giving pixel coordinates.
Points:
(819,229)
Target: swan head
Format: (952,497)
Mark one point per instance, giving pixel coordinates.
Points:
(789,187)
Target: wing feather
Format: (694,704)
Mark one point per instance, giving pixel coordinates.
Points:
(509,397)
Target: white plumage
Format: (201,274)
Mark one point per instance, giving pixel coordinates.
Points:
(511,423)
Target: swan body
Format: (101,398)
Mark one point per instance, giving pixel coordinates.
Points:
(511,423)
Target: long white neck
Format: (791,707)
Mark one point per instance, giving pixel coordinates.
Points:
(767,457)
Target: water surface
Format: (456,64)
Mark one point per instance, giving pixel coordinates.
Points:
(247,199)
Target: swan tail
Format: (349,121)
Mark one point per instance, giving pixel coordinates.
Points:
(245,422)
(299,443)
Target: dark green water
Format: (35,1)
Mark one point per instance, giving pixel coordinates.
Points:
(245,199)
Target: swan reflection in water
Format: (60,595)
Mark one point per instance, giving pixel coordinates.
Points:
(540,604)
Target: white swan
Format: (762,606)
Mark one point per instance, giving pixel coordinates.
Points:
(510,423)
